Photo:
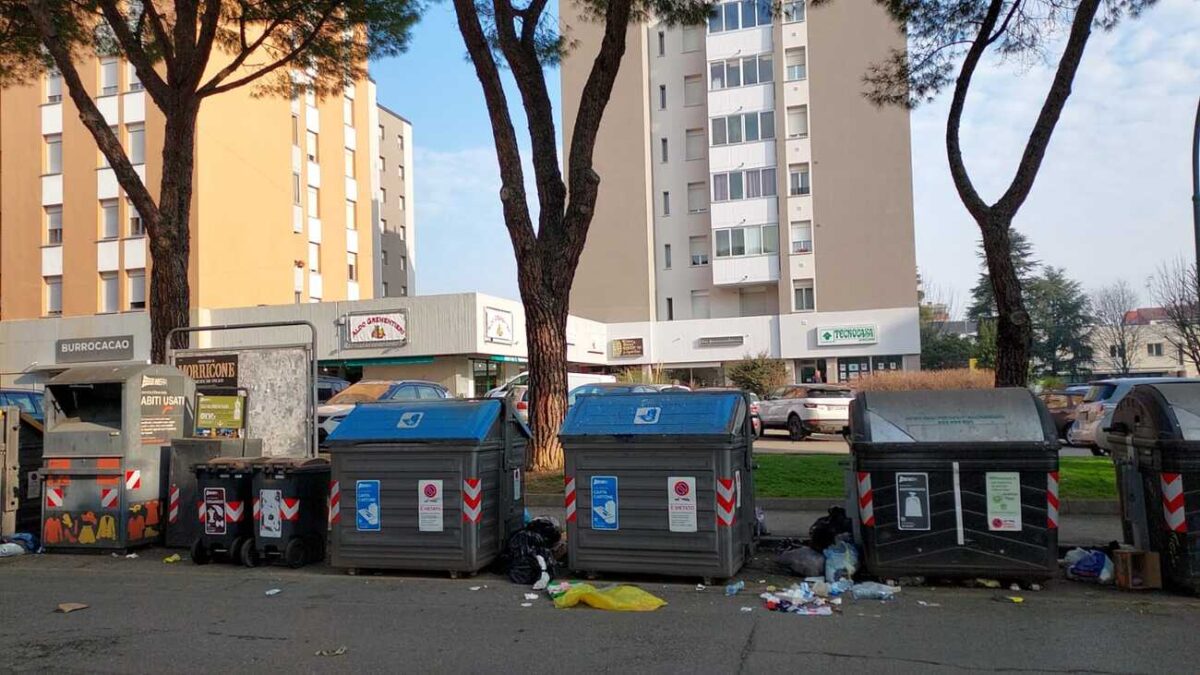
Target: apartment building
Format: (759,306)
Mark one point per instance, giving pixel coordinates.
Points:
(397,233)
(1152,339)
(281,212)
(752,200)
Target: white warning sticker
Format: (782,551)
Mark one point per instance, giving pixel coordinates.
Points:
(516,484)
(429,505)
(681,503)
(270,523)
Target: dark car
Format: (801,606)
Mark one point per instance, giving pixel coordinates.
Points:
(29,401)
(331,413)
(605,388)
(1062,405)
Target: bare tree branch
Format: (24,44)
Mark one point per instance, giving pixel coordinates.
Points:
(1119,334)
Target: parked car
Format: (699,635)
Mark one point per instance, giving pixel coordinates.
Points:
(1097,406)
(518,397)
(755,418)
(1062,405)
(329,386)
(573,380)
(604,388)
(331,414)
(806,409)
(28,400)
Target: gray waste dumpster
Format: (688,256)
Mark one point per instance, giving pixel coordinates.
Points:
(659,484)
(956,484)
(426,485)
(1155,435)
(106,432)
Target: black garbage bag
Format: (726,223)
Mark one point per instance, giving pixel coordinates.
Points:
(803,562)
(529,552)
(824,532)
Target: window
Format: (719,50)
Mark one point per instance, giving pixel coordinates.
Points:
(802,237)
(666,256)
(403,232)
(383,224)
(314,257)
(53,153)
(400,171)
(666,203)
(662,97)
(296,188)
(749,240)
(1113,350)
(797,121)
(662,43)
(382,163)
(383,257)
(351,215)
(110,293)
(400,141)
(744,184)
(404,291)
(748,127)
(403,263)
(739,72)
(400,202)
(135,82)
(798,180)
(136,228)
(1154,349)
(103,157)
(663,149)
(295,130)
(110,220)
(670,309)
(108,78)
(53,87)
(693,90)
(744,14)
(352,266)
(698,247)
(383,195)
(796,64)
(697,198)
(53,295)
(753,302)
(314,202)
(312,146)
(793,10)
(53,225)
(700,305)
(695,144)
(348,111)
(802,295)
(137,289)
(310,97)
(349,154)
(693,38)
(137,143)
(381,132)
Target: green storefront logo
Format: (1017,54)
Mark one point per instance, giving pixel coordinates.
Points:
(848,335)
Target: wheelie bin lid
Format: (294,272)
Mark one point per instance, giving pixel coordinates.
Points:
(418,421)
(1178,403)
(227,464)
(717,413)
(1003,416)
(292,464)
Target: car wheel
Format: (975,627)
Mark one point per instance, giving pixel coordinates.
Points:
(795,428)
(1097,451)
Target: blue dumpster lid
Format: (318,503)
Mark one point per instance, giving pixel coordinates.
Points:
(414,421)
(674,413)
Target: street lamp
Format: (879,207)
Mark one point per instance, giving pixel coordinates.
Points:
(1196,186)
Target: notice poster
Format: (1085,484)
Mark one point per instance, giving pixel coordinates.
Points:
(270,523)
(214,511)
(162,405)
(605,504)
(1004,501)
(681,503)
(912,501)
(366,506)
(430,505)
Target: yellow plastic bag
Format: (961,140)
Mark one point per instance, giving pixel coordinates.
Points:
(616,598)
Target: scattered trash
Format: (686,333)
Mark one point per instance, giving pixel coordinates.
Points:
(1089,565)
(841,561)
(987,583)
(870,590)
(821,589)
(928,604)
(824,532)
(700,587)
(273,591)
(24,539)
(340,651)
(173,558)
(911,581)
(9,550)
(803,562)
(132,556)
(762,581)
(531,596)
(771,589)
(747,610)
(1015,587)
(68,607)
(527,604)
(475,588)
(734,589)
(621,598)
(799,599)
(1015,599)
(529,554)
(1035,587)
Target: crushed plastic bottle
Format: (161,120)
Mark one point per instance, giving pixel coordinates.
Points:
(870,590)
(735,588)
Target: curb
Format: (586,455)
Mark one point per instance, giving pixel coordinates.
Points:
(1072,507)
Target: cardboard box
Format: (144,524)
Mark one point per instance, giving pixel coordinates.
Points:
(1137,570)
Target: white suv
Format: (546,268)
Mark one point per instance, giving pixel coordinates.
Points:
(805,409)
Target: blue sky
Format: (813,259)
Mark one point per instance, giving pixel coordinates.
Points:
(1112,201)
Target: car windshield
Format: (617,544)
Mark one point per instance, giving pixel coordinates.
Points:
(830,393)
(28,403)
(363,392)
(1100,392)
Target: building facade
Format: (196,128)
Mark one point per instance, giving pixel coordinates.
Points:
(1153,341)
(397,231)
(751,198)
(281,210)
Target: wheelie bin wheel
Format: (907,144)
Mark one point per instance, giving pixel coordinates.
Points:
(294,554)
(200,554)
(247,553)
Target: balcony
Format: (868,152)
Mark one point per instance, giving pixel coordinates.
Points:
(746,270)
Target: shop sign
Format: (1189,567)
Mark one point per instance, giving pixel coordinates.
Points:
(627,347)
(721,341)
(210,371)
(376,329)
(861,334)
(498,325)
(85,350)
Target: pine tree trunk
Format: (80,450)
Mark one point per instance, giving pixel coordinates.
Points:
(546,335)
(170,247)
(1014,333)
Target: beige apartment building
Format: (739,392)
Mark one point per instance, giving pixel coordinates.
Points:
(397,226)
(752,200)
(282,210)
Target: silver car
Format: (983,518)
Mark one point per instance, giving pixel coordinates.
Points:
(1099,402)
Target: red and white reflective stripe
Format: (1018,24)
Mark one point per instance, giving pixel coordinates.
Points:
(335,502)
(173,505)
(570,498)
(257,508)
(133,480)
(291,508)
(1173,502)
(200,511)
(108,498)
(54,497)
(866,499)
(472,500)
(726,499)
(1052,500)
(234,511)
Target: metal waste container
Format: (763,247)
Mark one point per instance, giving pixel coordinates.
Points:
(427,485)
(290,511)
(182,525)
(223,485)
(106,430)
(659,484)
(1155,434)
(956,484)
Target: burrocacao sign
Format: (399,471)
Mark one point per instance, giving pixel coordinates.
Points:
(84,350)
(863,334)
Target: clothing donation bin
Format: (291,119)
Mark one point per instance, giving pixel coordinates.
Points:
(289,511)
(106,429)
(659,483)
(428,485)
(223,485)
(956,484)
(1156,430)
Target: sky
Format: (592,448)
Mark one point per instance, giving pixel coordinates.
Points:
(1112,201)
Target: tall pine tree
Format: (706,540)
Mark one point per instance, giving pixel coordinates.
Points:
(983,301)
(1061,314)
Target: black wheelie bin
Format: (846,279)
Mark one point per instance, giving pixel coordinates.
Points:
(223,486)
(290,511)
